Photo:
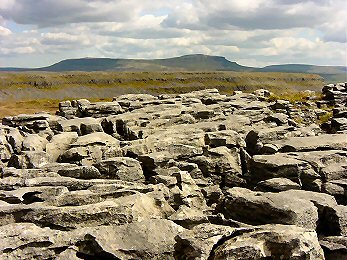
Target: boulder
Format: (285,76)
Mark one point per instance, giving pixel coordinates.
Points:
(126,100)
(29,160)
(262,93)
(270,242)
(227,138)
(15,139)
(148,239)
(280,105)
(26,241)
(66,109)
(336,220)
(265,135)
(71,183)
(258,208)
(59,144)
(277,184)
(188,217)
(80,172)
(199,242)
(121,168)
(189,193)
(100,109)
(339,124)
(92,148)
(95,139)
(334,247)
(312,143)
(278,118)
(221,165)
(335,171)
(74,125)
(264,167)
(126,209)
(337,188)
(28,195)
(88,128)
(5,149)
(28,121)
(34,142)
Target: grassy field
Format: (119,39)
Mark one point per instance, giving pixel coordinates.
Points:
(28,92)
(12,108)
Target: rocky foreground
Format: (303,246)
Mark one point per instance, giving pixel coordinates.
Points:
(190,176)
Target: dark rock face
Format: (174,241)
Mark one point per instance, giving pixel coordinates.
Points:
(336,94)
(193,176)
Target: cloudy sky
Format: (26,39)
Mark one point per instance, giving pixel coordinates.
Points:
(37,33)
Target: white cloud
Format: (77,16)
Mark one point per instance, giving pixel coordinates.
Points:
(4,31)
(251,32)
(62,38)
(17,50)
(300,50)
(45,13)
(6,4)
(260,14)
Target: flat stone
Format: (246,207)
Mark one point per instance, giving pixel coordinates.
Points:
(277,184)
(258,208)
(148,239)
(311,143)
(121,168)
(271,241)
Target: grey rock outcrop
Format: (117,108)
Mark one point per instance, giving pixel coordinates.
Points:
(294,243)
(197,175)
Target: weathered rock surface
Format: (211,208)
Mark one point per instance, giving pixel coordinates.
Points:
(272,242)
(258,208)
(121,168)
(198,175)
(148,239)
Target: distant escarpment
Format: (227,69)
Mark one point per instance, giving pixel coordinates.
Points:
(192,62)
(197,175)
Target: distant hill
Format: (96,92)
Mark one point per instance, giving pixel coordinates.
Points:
(304,68)
(200,62)
(329,73)
(194,62)
(184,63)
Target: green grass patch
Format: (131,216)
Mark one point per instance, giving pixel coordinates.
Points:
(294,97)
(325,118)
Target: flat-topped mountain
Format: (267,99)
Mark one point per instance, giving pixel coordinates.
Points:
(183,63)
(194,62)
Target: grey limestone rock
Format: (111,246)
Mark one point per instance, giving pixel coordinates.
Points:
(121,168)
(59,144)
(199,175)
(29,160)
(34,142)
(334,247)
(80,172)
(277,184)
(264,208)
(271,241)
(148,239)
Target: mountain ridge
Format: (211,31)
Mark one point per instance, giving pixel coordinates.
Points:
(191,62)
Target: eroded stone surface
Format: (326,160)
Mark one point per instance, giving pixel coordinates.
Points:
(198,175)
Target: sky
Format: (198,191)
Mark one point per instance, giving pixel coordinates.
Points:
(36,33)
